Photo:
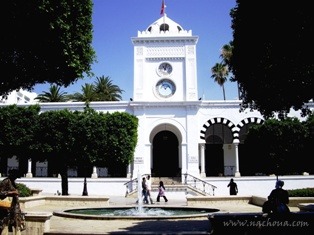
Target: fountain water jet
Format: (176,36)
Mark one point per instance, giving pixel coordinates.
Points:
(139,193)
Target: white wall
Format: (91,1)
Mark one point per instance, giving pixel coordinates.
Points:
(248,186)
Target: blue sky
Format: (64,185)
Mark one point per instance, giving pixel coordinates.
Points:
(116,21)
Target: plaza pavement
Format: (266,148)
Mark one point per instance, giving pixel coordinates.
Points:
(200,225)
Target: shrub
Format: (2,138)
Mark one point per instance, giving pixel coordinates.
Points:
(24,191)
(303,192)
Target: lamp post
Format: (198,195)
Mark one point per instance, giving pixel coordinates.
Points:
(85,193)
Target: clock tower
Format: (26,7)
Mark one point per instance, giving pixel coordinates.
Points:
(165,63)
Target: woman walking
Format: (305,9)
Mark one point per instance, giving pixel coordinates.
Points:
(161,192)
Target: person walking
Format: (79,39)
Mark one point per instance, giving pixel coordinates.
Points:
(161,192)
(278,200)
(144,190)
(13,216)
(233,187)
(149,188)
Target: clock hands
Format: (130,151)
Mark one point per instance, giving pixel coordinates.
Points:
(165,86)
(165,68)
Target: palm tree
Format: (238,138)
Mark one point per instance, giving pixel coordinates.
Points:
(54,95)
(219,74)
(88,94)
(106,91)
(226,54)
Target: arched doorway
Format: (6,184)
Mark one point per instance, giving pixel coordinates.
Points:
(216,136)
(165,155)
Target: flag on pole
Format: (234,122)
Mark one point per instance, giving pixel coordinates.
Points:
(162,11)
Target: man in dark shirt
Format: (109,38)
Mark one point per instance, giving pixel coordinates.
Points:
(277,200)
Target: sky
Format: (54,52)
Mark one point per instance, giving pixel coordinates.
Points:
(115,22)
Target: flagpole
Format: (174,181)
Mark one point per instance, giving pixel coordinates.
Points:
(163,8)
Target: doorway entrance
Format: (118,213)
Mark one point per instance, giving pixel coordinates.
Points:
(165,155)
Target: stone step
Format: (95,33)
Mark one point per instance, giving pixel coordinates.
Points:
(166,180)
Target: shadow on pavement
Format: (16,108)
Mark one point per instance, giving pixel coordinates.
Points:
(169,227)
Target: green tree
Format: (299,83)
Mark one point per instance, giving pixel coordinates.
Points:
(226,54)
(90,137)
(274,70)
(54,139)
(106,90)
(53,44)
(17,127)
(88,94)
(53,95)
(280,145)
(66,139)
(83,139)
(220,74)
(121,143)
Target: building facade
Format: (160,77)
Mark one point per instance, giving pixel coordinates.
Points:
(19,97)
(178,132)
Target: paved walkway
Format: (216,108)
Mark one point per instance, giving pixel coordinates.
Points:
(61,225)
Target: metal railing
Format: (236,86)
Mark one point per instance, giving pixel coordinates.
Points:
(199,184)
(131,186)
(189,180)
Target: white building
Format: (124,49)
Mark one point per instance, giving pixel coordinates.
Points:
(19,97)
(178,133)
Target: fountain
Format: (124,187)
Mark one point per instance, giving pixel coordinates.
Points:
(139,194)
(139,212)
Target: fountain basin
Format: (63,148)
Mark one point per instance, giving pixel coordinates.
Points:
(132,213)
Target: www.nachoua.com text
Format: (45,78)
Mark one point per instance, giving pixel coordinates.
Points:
(265,223)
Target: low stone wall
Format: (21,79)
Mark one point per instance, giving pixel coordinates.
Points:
(254,200)
(212,201)
(37,223)
(295,201)
(68,201)
(258,201)
(35,191)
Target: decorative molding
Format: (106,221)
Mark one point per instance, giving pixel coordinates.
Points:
(175,51)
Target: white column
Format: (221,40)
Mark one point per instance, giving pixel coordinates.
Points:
(94,174)
(29,169)
(129,174)
(203,173)
(236,145)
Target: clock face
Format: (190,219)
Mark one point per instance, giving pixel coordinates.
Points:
(165,68)
(165,88)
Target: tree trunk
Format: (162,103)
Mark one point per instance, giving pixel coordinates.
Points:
(64,181)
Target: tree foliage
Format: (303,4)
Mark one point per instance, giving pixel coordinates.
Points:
(271,58)
(219,74)
(88,94)
(69,138)
(45,41)
(281,146)
(55,140)
(106,90)
(103,89)
(123,129)
(53,95)
(17,129)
